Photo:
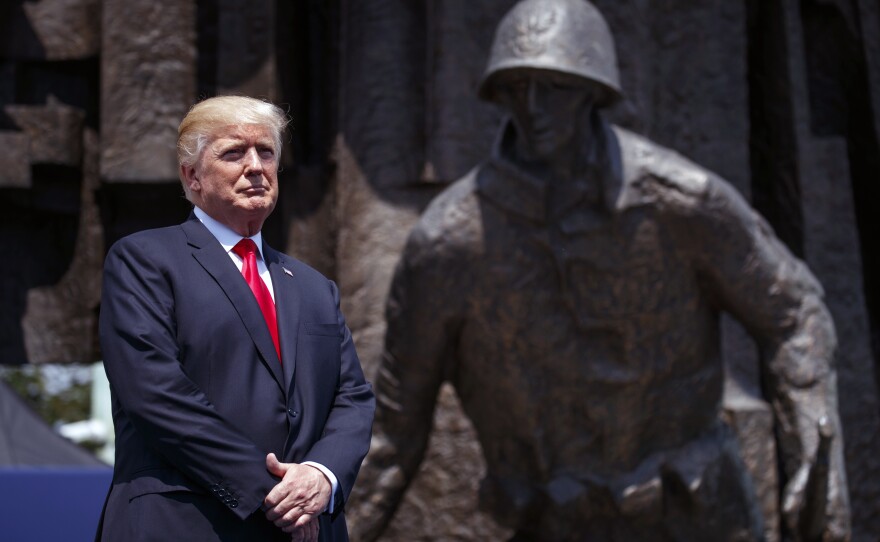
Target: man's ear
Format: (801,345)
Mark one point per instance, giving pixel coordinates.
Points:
(190,178)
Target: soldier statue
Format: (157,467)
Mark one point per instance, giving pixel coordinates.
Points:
(570,289)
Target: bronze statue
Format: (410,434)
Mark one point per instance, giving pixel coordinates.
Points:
(570,288)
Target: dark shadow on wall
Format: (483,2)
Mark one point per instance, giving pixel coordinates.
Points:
(307,60)
(775,186)
(840,105)
(17,38)
(38,229)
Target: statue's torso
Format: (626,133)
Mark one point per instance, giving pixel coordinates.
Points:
(585,345)
(603,330)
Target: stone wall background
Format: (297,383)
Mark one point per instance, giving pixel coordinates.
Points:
(781,97)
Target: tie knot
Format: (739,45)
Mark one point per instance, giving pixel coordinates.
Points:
(244,247)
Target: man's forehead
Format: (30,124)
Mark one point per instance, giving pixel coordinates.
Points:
(241,132)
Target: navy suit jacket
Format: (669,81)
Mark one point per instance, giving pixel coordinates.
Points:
(200,397)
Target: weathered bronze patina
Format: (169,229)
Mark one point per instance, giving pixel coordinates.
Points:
(570,288)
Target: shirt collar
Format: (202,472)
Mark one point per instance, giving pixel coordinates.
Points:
(224,234)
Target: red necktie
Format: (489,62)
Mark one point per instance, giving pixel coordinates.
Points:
(247,250)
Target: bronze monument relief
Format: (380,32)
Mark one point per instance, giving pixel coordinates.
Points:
(570,288)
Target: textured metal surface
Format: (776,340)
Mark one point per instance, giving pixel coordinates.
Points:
(569,36)
(570,289)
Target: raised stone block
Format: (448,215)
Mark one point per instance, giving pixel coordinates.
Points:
(15,166)
(54,132)
(51,30)
(148,82)
(67,29)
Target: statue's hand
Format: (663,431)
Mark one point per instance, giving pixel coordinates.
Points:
(807,507)
(794,500)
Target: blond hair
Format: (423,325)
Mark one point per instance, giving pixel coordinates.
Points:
(205,117)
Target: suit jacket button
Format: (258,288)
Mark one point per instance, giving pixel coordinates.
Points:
(233,504)
(292,412)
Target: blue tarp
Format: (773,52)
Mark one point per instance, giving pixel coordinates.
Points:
(50,489)
(51,504)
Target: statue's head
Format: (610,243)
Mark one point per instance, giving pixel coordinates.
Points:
(561,37)
(552,63)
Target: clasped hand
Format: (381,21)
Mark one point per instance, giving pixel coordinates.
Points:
(295,503)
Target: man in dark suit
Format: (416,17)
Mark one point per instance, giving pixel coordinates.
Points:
(240,407)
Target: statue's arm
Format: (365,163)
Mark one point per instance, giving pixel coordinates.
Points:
(753,276)
(419,338)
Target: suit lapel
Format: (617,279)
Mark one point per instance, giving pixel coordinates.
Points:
(211,256)
(287,307)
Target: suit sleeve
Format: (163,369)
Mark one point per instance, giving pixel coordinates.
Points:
(165,407)
(345,439)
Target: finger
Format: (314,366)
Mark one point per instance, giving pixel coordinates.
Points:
(272,500)
(794,496)
(309,531)
(274,466)
(311,535)
(290,526)
(276,514)
(278,495)
(305,520)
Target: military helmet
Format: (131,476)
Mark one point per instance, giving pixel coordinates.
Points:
(568,36)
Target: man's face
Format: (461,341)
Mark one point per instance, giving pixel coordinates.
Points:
(235,180)
(545,107)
